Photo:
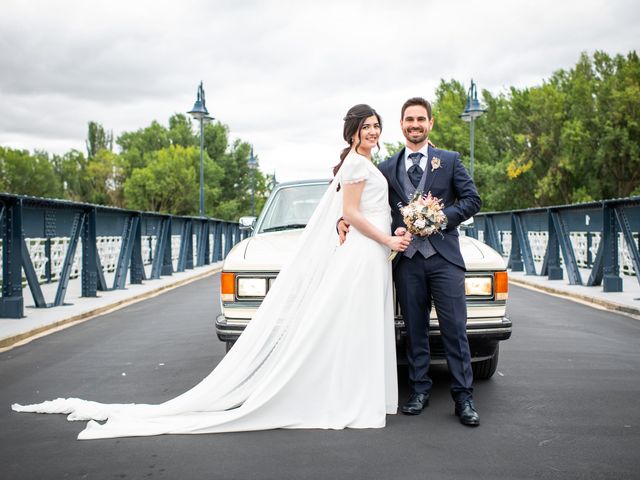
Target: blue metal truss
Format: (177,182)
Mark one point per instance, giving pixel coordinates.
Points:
(24,217)
(607,218)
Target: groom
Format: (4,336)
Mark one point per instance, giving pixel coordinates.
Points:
(432,268)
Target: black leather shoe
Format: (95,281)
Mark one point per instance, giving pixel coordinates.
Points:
(466,411)
(416,403)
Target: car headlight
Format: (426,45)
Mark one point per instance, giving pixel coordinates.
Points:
(252,287)
(478,286)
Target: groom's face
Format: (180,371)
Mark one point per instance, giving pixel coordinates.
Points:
(416,125)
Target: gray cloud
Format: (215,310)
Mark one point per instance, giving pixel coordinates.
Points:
(280,74)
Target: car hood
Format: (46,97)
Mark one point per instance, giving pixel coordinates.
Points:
(268,251)
(263,252)
(480,256)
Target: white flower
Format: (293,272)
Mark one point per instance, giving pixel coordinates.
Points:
(420,223)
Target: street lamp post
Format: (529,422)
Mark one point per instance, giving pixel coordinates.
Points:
(199,112)
(472,110)
(253,164)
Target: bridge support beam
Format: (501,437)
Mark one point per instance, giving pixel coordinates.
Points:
(12,301)
(564,240)
(228,238)
(202,257)
(625,227)
(136,271)
(611,281)
(89,257)
(217,241)
(552,257)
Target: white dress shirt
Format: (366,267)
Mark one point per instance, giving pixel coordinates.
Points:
(423,160)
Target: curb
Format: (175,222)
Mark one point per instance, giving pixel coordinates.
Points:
(578,297)
(25,337)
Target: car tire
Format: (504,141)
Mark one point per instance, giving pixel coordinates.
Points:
(486,368)
(229,345)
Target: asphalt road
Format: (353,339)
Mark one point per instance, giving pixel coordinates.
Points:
(564,404)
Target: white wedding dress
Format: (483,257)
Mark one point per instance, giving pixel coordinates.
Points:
(319,353)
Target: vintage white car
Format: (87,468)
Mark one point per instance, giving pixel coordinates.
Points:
(252,265)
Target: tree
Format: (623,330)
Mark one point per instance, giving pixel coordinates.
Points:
(98,139)
(392,148)
(137,146)
(166,184)
(227,174)
(235,184)
(617,106)
(574,138)
(105,174)
(71,170)
(169,182)
(181,131)
(451,133)
(25,174)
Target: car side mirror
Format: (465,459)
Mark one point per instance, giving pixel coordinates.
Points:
(468,223)
(247,223)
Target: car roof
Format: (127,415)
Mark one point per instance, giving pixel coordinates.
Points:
(302,182)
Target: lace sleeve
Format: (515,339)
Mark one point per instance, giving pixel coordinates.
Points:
(354,169)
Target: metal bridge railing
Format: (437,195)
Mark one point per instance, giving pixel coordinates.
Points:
(602,236)
(56,240)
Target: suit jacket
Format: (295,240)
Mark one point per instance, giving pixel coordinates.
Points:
(450,183)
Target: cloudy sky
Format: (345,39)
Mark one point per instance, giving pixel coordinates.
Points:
(280,74)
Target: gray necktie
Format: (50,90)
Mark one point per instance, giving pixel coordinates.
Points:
(415,172)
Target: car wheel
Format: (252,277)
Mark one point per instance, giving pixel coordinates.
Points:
(486,368)
(230,344)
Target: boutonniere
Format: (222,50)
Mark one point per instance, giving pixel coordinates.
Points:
(435,163)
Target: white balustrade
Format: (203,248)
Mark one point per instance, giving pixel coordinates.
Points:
(538,242)
(109,251)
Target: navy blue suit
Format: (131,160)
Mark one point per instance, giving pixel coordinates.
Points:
(439,278)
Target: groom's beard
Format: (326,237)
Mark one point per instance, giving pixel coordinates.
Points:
(415,140)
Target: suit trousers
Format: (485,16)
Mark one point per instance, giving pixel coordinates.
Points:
(421,282)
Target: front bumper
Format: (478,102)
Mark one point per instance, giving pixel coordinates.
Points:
(228,332)
(498,328)
(483,333)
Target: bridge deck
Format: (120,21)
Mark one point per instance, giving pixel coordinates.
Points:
(39,321)
(627,301)
(562,405)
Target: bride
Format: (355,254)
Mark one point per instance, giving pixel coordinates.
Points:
(320,351)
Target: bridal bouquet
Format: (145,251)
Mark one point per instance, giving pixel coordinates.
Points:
(423,216)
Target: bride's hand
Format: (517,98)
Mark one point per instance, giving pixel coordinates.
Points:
(398,244)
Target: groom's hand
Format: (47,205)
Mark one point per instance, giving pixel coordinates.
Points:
(343,229)
(402,232)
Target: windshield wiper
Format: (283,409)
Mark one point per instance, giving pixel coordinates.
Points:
(290,226)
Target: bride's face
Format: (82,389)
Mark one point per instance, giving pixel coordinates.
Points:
(369,133)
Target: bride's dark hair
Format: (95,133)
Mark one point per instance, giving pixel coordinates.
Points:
(353,121)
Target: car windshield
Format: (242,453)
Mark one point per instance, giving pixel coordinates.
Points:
(291,207)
